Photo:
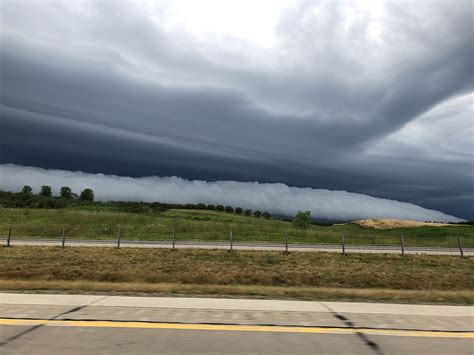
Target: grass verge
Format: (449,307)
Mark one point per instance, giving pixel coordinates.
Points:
(235,291)
(305,275)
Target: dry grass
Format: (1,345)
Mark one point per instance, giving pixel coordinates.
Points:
(236,291)
(396,223)
(266,274)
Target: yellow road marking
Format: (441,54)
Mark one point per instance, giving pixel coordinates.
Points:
(240,328)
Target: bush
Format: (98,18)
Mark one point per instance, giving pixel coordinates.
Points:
(302,219)
(266,215)
(46,191)
(211,207)
(87,195)
(238,210)
(257,214)
(229,209)
(201,206)
(220,208)
(248,213)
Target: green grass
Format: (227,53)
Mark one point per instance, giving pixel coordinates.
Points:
(368,277)
(196,225)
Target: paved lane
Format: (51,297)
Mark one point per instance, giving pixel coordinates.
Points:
(74,324)
(379,249)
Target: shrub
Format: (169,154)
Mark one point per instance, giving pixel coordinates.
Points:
(266,215)
(302,219)
(238,210)
(257,214)
(211,207)
(220,208)
(229,209)
(248,213)
(201,206)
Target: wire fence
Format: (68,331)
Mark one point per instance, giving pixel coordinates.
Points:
(173,237)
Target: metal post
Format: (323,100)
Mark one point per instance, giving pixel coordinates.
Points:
(343,243)
(231,241)
(402,244)
(286,243)
(460,247)
(118,239)
(64,238)
(9,235)
(174,238)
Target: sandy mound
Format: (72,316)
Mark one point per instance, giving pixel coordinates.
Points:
(395,223)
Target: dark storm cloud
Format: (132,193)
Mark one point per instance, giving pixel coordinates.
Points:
(109,90)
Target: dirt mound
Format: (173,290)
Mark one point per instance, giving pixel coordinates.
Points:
(395,223)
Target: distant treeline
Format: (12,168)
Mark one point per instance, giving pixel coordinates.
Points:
(85,200)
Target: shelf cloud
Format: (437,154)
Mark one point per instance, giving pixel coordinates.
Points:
(363,96)
(278,199)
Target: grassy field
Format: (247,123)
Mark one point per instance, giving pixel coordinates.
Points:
(211,226)
(438,279)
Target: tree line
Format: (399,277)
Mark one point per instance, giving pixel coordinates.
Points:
(65,192)
(45,199)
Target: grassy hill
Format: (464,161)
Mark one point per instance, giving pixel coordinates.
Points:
(103,222)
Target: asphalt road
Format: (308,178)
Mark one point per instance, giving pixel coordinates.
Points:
(72,324)
(380,249)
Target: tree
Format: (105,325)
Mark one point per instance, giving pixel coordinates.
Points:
(27,190)
(211,207)
(87,195)
(229,209)
(66,192)
(257,214)
(302,219)
(266,215)
(46,191)
(238,210)
(201,206)
(248,213)
(220,208)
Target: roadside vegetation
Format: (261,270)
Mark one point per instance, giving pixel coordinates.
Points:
(368,277)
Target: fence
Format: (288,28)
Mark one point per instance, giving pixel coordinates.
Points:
(173,238)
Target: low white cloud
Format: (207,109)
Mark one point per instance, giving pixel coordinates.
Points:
(275,198)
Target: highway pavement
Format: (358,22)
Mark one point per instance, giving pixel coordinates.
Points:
(380,249)
(101,324)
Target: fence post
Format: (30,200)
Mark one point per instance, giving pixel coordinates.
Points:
(64,239)
(286,243)
(9,235)
(460,247)
(231,241)
(402,244)
(174,238)
(118,238)
(343,243)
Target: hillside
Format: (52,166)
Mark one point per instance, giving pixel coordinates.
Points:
(197,225)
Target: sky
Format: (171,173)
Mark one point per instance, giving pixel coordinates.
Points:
(366,97)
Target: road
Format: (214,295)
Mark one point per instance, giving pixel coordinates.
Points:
(380,249)
(98,324)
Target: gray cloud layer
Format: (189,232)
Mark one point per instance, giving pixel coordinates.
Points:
(276,198)
(110,88)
